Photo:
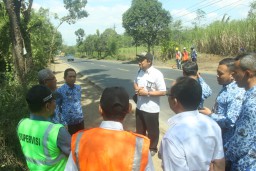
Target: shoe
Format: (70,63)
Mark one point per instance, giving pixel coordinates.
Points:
(152,153)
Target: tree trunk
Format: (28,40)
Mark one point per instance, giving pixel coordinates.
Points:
(148,47)
(26,37)
(13,9)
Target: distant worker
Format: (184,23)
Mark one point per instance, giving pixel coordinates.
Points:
(229,101)
(109,147)
(185,57)
(178,58)
(45,145)
(149,86)
(193,141)
(47,78)
(190,69)
(71,107)
(241,50)
(193,54)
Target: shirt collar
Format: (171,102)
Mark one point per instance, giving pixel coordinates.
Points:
(68,87)
(180,116)
(112,125)
(38,118)
(250,91)
(230,85)
(149,69)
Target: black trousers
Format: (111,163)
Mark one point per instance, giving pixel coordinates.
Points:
(148,124)
(76,127)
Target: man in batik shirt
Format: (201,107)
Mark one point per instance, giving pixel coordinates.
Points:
(190,69)
(229,100)
(71,107)
(241,148)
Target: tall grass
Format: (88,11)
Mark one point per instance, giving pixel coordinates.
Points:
(226,38)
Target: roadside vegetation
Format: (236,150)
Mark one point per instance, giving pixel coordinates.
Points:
(29,42)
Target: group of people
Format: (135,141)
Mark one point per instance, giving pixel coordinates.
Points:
(198,138)
(183,57)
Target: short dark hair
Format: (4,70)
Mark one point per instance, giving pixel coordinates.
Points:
(190,68)
(188,92)
(114,103)
(67,70)
(229,62)
(37,97)
(247,61)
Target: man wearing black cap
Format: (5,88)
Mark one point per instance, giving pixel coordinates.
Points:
(149,85)
(45,145)
(109,147)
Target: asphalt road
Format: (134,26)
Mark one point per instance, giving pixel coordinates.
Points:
(105,74)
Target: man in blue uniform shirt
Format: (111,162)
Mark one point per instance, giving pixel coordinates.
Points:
(229,100)
(241,149)
(190,69)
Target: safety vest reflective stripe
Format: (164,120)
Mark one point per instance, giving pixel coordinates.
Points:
(138,154)
(79,135)
(45,162)
(48,160)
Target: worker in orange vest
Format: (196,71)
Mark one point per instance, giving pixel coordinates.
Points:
(184,55)
(178,58)
(109,147)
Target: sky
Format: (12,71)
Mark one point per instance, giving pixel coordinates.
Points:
(105,14)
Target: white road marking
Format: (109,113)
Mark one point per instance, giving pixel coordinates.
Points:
(122,69)
(169,79)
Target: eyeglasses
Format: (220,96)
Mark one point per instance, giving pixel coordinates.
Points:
(50,79)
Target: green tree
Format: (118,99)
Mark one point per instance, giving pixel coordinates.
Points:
(252,11)
(80,36)
(200,15)
(109,38)
(19,17)
(5,61)
(145,20)
(75,12)
(89,44)
(41,30)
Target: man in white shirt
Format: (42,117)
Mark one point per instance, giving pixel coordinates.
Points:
(193,141)
(149,85)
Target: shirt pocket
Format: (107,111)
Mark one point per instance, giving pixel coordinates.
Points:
(150,84)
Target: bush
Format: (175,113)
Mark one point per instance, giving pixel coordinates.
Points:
(13,108)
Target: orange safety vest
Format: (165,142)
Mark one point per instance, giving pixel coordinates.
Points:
(109,150)
(178,55)
(185,56)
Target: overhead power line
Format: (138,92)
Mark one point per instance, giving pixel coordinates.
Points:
(190,6)
(228,5)
(207,5)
